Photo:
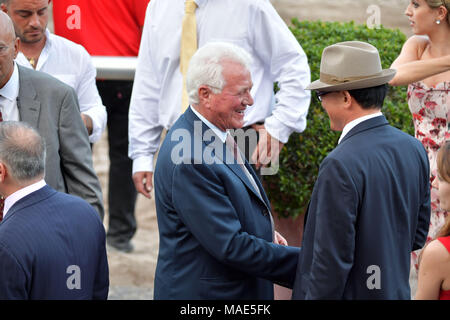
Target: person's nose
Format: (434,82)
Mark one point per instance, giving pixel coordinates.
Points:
(408,12)
(248,100)
(34,21)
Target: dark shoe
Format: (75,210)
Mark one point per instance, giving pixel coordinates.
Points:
(126,247)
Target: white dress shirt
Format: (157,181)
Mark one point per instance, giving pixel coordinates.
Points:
(71,63)
(223,137)
(349,126)
(22,193)
(8,97)
(255,26)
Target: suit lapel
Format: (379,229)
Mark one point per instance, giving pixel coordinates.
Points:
(226,156)
(27,103)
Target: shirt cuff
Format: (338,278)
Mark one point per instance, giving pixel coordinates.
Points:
(277,129)
(144,163)
(99,118)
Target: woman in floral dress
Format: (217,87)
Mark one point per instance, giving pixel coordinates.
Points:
(424,65)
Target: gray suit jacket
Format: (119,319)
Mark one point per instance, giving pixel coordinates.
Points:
(52,108)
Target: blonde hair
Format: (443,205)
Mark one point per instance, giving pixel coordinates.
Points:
(434,4)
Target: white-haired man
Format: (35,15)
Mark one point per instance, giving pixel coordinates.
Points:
(216,232)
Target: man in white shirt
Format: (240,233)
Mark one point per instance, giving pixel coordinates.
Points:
(59,57)
(253,25)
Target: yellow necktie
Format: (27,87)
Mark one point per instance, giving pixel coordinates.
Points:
(188,45)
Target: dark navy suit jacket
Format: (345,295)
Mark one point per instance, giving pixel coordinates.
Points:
(44,238)
(215,231)
(369,209)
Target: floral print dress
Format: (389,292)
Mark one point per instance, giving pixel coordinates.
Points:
(430,108)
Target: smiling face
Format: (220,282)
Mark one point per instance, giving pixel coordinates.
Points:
(30,18)
(227,107)
(8,49)
(421,16)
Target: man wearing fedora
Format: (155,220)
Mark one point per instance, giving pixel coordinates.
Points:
(370,205)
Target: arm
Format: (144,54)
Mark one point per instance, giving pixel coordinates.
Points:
(101,285)
(144,131)
(206,203)
(281,53)
(76,154)
(431,271)
(13,282)
(92,109)
(334,205)
(409,66)
(423,222)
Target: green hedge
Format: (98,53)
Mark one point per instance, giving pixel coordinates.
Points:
(291,188)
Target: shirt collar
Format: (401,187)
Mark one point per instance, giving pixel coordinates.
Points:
(349,126)
(22,193)
(200,2)
(11,89)
(221,134)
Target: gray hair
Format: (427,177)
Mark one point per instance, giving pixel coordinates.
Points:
(205,67)
(22,150)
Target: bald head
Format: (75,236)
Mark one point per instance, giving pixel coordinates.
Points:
(22,150)
(7,33)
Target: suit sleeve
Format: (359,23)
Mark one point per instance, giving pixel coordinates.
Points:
(334,204)
(13,281)
(101,284)
(423,223)
(76,154)
(204,207)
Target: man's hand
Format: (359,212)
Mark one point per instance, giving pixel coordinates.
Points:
(267,150)
(143,181)
(279,239)
(87,123)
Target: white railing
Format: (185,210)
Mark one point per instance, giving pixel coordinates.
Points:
(115,68)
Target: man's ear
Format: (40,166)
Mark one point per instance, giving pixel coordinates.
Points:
(347,99)
(4,8)
(3,172)
(16,47)
(204,94)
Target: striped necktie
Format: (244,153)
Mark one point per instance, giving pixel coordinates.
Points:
(232,145)
(188,45)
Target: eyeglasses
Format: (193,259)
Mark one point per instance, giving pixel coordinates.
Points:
(320,94)
(245,94)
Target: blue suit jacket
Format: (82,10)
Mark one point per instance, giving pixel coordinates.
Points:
(369,209)
(215,231)
(43,239)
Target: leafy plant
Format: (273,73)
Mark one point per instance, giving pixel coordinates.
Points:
(291,188)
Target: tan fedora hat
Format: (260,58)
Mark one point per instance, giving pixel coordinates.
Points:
(351,65)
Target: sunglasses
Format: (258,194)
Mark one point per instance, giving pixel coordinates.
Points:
(320,94)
